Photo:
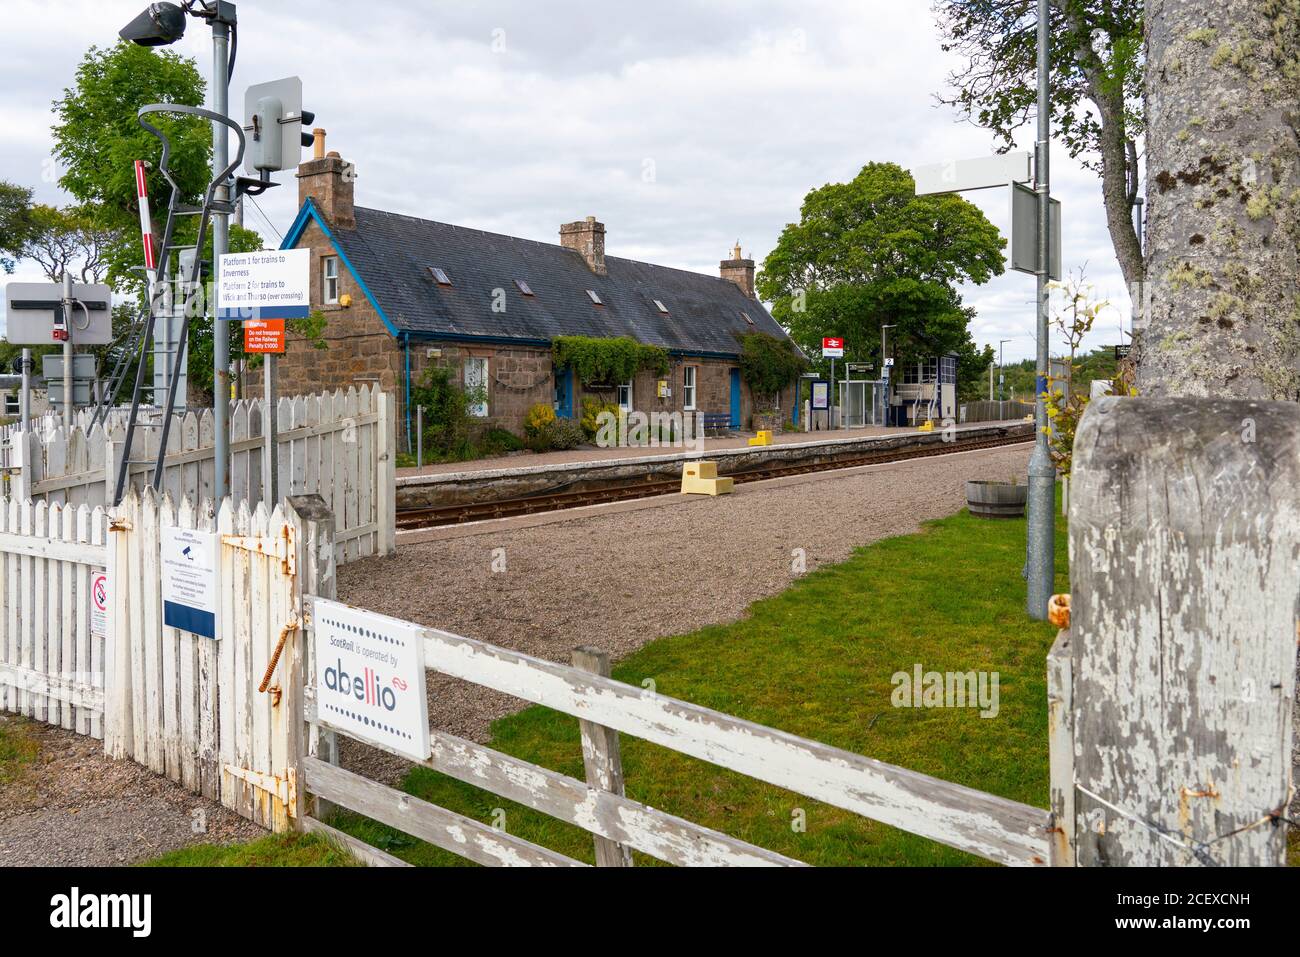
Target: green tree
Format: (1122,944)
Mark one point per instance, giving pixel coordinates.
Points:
(16,224)
(871,253)
(1096,58)
(98,138)
(67,240)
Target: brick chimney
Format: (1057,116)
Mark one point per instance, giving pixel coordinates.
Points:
(328,180)
(739,270)
(588,239)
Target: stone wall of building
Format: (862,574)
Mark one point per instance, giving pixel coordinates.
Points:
(519,377)
(359,349)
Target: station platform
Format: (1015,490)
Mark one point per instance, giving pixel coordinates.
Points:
(513,477)
(626,455)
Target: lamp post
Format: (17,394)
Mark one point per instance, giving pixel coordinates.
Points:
(1040,550)
(1002,380)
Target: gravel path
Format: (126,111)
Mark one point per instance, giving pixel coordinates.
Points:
(75,807)
(621,580)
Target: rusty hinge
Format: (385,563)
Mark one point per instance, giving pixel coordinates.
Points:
(284,790)
(280,546)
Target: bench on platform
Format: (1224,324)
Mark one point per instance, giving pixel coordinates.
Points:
(716,422)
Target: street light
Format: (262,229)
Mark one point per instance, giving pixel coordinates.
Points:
(159,25)
(1002,391)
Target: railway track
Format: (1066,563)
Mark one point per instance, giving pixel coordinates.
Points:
(555,501)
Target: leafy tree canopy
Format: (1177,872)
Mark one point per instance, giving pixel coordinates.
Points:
(16,225)
(871,253)
(769,364)
(1096,60)
(97,140)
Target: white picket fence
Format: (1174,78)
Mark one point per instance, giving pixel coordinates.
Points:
(340,445)
(52,658)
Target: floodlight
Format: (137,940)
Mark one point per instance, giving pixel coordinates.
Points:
(159,25)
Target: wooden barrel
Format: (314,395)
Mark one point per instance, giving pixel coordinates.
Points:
(996,499)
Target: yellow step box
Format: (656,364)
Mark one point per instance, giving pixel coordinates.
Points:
(701,478)
(764,437)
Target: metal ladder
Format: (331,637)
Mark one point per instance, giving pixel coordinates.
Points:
(175,209)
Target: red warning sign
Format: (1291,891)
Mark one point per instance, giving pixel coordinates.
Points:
(264,336)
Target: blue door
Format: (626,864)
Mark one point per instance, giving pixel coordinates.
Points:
(563,393)
(735,398)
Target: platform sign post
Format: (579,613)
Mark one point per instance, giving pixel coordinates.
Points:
(1035,247)
(832,348)
(264,289)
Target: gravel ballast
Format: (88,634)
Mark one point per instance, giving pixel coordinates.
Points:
(75,807)
(620,580)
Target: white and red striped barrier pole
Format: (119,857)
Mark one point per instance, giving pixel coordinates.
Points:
(146,227)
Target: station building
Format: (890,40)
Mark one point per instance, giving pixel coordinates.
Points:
(401,293)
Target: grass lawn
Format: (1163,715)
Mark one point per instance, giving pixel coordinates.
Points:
(274,850)
(817,661)
(18,749)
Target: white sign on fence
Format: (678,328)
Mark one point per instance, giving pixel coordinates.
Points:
(189,580)
(370,679)
(99,603)
(266,284)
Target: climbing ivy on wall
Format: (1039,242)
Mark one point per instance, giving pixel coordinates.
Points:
(607,361)
(769,364)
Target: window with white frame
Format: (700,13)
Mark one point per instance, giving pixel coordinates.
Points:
(920,372)
(13,405)
(688,388)
(476,385)
(625,395)
(329,279)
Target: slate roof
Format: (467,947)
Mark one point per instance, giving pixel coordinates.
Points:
(393,253)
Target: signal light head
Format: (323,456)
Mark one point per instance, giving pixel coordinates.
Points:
(159,25)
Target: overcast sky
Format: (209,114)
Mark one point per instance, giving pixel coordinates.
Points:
(682,126)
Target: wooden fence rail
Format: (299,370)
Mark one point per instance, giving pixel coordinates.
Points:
(980,823)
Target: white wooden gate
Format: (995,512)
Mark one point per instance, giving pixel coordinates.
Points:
(194,709)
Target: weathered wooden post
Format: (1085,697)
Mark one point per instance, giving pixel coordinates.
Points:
(602,758)
(313,526)
(1185,595)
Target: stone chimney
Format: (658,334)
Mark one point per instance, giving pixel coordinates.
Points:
(739,270)
(328,181)
(588,239)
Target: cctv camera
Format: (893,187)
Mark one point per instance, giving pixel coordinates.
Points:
(158,25)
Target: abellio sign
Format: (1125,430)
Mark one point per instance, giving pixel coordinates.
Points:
(370,681)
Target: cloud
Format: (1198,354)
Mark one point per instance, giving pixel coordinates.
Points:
(683,126)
